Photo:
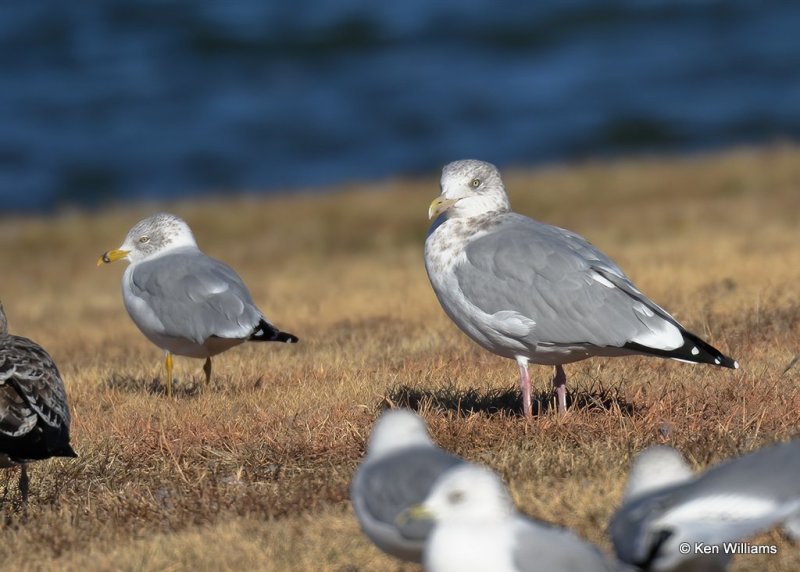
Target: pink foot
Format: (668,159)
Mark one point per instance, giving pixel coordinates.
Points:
(560,385)
(525,386)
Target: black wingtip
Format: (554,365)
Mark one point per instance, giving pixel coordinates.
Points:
(266,332)
(287,338)
(693,350)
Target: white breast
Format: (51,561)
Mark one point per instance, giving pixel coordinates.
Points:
(445,249)
(456,547)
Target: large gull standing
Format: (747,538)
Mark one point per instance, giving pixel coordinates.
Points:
(537,293)
(34,416)
(399,468)
(183,301)
(666,507)
(478,528)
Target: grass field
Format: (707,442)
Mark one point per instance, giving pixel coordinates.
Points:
(253,472)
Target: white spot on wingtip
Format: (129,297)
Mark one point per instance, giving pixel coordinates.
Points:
(716,361)
(736,365)
(695,351)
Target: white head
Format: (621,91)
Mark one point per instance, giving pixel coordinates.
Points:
(655,468)
(395,430)
(151,236)
(470,188)
(468,493)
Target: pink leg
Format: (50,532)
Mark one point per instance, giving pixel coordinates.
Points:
(560,385)
(525,386)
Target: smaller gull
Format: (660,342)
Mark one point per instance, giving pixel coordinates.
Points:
(478,529)
(537,293)
(34,417)
(183,301)
(730,502)
(399,468)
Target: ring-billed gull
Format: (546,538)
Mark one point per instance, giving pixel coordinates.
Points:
(537,293)
(34,417)
(183,301)
(399,468)
(478,528)
(728,503)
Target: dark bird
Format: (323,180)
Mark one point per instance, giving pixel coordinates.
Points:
(34,417)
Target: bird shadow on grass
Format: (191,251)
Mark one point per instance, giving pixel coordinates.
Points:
(153,386)
(507,402)
(181,388)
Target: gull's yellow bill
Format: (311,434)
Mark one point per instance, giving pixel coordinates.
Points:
(439,205)
(112,256)
(414,512)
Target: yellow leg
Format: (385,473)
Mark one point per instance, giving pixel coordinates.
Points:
(168,363)
(207,370)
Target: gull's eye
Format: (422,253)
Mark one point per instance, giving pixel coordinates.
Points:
(144,240)
(475,183)
(455,497)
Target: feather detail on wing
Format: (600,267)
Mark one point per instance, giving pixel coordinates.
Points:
(195,297)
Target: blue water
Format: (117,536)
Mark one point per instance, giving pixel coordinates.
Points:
(117,100)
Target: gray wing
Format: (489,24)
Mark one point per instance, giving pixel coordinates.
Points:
(743,496)
(572,291)
(771,473)
(195,297)
(389,486)
(539,546)
(34,416)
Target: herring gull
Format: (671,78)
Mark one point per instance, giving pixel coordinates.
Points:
(537,293)
(183,301)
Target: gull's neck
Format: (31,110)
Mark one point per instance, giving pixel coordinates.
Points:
(448,236)
(178,245)
(379,448)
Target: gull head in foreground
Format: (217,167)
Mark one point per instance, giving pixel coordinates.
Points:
(400,467)
(33,405)
(478,528)
(395,430)
(729,503)
(183,301)
(538,293)
(655,468)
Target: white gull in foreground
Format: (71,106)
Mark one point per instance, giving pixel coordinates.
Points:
(478,529)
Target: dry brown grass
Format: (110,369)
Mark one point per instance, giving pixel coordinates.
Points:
(254,472)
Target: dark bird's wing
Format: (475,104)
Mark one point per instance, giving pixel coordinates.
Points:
(34,417)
